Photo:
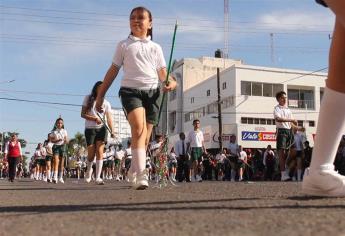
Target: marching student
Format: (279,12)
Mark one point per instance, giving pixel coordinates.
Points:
(195,142)
(13,155)
(60,139)
(144,67)
(96,133)
(119,155)
(49,156)
(284,123)
(321,179)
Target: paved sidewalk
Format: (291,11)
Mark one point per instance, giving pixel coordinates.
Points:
(208,208)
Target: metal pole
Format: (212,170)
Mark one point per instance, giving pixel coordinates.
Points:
(218,54)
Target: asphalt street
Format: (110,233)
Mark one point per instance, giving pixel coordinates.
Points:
(30,207)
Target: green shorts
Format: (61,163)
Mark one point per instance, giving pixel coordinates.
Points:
(49,158)
(284,138)
(41,162)
(117,162)
(150,100)
(196,154)
(94,135)
(59,150)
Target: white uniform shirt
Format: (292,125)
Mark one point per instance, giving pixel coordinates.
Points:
(220,157)
(60,134)
(129,153)
(282,112)
(141,59)
(119,154)
(195,138)
(243,155)
(90,123)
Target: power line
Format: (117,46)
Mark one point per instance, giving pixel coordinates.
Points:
(177,111)
(300,76)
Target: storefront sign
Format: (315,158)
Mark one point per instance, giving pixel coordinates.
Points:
(258,136)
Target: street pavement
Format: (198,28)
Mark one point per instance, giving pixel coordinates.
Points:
(30,207)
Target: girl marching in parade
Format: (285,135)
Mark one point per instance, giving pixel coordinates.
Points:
(144,67)
(59,138)
(95,131)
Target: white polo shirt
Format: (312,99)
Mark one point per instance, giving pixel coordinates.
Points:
(282,112)
(60,134)
(195,138)
(141,59)
(90,123)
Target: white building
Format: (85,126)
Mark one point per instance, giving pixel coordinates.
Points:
(248,99)
(121,125)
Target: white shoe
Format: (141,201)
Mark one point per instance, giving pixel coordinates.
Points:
(285,177)
(323,182)
(198,178)
(87,180)
(61,180)
(141,181)
(117,178)
(99,182)
(132,178)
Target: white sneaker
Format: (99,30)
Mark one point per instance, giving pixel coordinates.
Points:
(87,180)
(61,180)
(323,182)
(132,178)
(285,177)
(141,181)
(99,182)
(117,178)
(198,178)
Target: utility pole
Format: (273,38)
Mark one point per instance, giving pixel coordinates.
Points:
(226,29)
(272,48)
(218,54)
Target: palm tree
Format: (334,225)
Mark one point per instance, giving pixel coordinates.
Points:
(76,145)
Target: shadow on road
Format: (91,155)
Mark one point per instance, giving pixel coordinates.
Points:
(192,205)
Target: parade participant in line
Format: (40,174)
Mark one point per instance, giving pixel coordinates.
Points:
(49,156)
(143,66)
(284,123)
(119,155)
(172,164)
(126,161)
(60,139)
(96,133)
(195,141)
(321,179)
(40,155)
(13,155)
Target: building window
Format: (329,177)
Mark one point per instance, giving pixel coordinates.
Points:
(269,122)
(277,88)
(244,120)
(321,94)
(192,100)
(208,93)
(246,88)
(262,121)
(268,90)
(256,89)
(311,123)
(250,121)
(300,123)
(224,85)
(302,99)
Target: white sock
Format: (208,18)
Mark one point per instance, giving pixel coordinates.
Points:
(55,175)
(134,162)
(89,170)
(299,174)
(330,128)
(99,165)
(141,163)
(48,174)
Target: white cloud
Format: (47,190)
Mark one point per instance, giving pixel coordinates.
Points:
(292,20)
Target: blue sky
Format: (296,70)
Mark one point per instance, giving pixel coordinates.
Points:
(56,50)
